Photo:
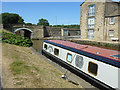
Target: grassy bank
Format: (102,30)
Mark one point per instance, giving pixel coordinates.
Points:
(22,68)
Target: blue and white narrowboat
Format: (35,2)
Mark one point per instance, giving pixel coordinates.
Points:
(101,66)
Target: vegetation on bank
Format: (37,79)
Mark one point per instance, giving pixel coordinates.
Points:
(99,44)
(16,39)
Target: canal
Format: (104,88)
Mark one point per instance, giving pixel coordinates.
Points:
(37,44)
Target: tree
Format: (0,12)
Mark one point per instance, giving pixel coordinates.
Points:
(11,18)
(28,24)
(43,22)
(68,26)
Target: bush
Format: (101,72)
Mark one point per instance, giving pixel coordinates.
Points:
(16,39)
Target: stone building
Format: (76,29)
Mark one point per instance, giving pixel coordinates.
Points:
(100,20)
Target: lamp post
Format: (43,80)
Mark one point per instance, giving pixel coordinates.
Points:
(56,21)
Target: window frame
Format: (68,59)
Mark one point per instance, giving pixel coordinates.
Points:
(96,69)
(80,60)
(91,11)
(67,57)
(46,47)
(89,35)
(111,20)
(113,33)
(91,18)
(50,47)
(54,51)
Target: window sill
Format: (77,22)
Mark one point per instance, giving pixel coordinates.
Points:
(112,23)
(91,16)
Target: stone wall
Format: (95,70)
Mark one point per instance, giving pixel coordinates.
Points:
(37,30)
(99,20)
(119,27)
(44,31)
(74,32)
(58,32)
(111,8)
(102,26)
(52,31)
(37,33)
(109,27)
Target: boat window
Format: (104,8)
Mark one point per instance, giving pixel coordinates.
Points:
(45,46)
(56,51)
(69,57)
(116,56)
(79,61)
(93,68)
(50,48)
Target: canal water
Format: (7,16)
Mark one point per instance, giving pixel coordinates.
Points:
(37,45)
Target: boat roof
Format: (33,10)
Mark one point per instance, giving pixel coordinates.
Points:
(88,50)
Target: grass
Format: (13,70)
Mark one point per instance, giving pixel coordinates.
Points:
(24,69)
(18,67)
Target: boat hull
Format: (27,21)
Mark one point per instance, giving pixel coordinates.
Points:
(102,80)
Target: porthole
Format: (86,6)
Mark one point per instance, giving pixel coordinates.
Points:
(93,68)
(50,49)
(79,61)
(45,46)
(56,51)
(69,57)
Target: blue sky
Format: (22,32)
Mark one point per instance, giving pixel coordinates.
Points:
(65,12)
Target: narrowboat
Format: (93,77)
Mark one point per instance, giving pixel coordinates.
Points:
(99,65)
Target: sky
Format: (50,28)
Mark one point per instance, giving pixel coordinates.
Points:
(59,13)
(55,12)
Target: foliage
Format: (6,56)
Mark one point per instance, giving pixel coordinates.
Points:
(99,44)
(11,18)
(68,26)
(28,24)
(16,39)
(43,22)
